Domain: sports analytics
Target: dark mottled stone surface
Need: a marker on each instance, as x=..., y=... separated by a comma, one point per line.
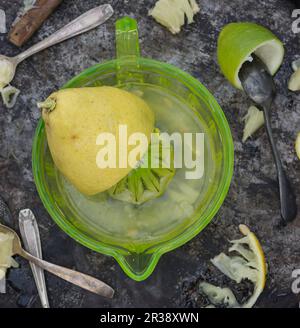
x=252, y=198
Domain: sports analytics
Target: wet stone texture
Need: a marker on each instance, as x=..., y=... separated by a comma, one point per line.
x=252, y=198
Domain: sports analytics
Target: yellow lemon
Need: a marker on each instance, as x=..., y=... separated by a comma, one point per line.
x=74, y=118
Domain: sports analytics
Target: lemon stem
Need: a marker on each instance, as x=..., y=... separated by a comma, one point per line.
x=49, y=104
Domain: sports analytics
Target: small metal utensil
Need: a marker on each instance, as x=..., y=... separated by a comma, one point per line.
x=31, y=239
x=82, y=24
x=29, y=21
x=82, y=280
x=259, y=86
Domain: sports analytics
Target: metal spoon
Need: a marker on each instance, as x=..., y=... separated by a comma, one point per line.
x=83, y=23
x=84, y=281
x=32, y=242
x=259, y=86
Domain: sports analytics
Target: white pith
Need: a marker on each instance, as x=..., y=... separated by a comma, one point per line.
x=270, y=52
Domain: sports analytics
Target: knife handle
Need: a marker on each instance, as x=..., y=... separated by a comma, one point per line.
x=31, y=21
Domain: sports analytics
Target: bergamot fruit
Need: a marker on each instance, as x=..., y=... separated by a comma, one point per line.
x=74, y=119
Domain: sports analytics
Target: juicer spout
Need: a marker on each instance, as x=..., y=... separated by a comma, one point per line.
x=138, y=266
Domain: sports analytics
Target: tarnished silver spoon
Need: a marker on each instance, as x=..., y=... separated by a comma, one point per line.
x=82, y=24
x=80, y=279
x=259, y=86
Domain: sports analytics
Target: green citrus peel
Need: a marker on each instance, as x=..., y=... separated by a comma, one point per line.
x=236, y=43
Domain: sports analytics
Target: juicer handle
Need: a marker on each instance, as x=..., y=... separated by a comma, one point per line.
x=127, y=38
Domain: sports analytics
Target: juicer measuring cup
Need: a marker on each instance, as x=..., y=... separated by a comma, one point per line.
x=138, y=253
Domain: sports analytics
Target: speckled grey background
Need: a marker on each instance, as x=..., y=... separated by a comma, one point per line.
x=252, y=198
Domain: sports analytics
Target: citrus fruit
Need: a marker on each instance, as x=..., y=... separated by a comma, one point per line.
x=74, y=120
x=248, y=264
x=236, y=43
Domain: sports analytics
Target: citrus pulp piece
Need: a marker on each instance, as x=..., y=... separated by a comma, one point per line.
x=236, y=43
x=218, y=295
x=296, y=64
x=6, y=251
x=248, y=264
x=297, y=146
x=145, y=183
x=172, y=13
x=294, y=82
x=254, y=119
x=9, y=95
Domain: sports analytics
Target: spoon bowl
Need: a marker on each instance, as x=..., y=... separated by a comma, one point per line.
x=17, y=247
x=257, y=81
x=11, y=63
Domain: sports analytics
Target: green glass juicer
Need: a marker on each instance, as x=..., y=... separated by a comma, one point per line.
x=139, y=256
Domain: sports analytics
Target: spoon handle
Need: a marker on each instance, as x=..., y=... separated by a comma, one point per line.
x=287, y=197
x=80, y=279
x=81, y=24
x=31, y=239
